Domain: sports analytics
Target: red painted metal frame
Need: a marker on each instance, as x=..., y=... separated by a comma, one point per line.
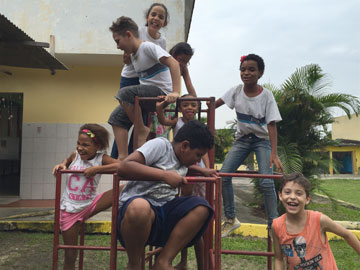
x=113, y=244
x=212, y=256
x=269, y=254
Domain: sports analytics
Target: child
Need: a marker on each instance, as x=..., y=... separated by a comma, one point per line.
x=304, y=231
x=149, y=211
x=80, y=200
x=257, y=114
x=188, y=110
x=182, y=52
x=157, y=17
x=152, y=64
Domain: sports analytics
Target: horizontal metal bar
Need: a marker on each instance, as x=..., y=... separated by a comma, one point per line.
x=88, y=247
x=251, y=175
x=250, y=253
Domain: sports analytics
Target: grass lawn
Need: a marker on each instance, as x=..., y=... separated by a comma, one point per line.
x=22, y=250
x=342, y=189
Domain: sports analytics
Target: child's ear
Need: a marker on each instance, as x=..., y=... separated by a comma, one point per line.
x=128, y=34
x=261, y=73
x=308, y=199
x=185, y=145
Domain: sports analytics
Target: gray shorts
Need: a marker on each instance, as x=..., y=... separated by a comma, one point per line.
x=127, y=94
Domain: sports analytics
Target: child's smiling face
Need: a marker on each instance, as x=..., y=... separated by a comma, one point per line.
x=86, y=147
x=156, y=18
x=189, y=109
x=293, y=197
x=249, y=72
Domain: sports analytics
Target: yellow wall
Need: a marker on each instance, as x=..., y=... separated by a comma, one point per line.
x=82, y=94
x=355, y=155
x=344, y=128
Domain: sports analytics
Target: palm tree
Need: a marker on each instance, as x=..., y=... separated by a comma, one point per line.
x=305, y=105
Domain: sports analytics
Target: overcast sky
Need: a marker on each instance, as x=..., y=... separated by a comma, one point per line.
x=287, y=34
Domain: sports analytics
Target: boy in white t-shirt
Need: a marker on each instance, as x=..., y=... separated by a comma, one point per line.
x=159, y=75
x=257, y=114
x=150, y=212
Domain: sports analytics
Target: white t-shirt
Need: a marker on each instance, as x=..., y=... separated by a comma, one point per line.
x=128, y=71
x=80, y=191
x=148, y=67
x=158, y=153
x=253, y=114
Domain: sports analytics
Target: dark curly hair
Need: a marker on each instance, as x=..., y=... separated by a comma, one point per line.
x=181, y=48
x=257, y=59
x=101, y=138
x=197, y=133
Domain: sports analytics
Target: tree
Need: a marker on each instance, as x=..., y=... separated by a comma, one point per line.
x=305, y=104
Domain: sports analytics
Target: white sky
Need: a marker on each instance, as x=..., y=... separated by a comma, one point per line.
x=286, y=34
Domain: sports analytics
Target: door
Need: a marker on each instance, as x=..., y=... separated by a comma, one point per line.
x=11, y=112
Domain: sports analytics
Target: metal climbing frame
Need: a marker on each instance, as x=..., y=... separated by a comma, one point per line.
x=269, y=254
x=213, y=249
x=212, y=256
x=113, y=242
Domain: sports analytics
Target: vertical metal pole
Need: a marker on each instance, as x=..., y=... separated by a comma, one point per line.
x=210, y=187
x=57, y=221
x=218, y=188
x=269, y=249
x=136, y=116
x=114, y=210
x=82, y=239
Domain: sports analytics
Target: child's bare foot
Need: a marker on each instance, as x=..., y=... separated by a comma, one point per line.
x=142, y=136
x=181, y=266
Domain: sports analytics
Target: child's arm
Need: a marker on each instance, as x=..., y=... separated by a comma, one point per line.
x=328, y=225
x=160, y=110
x=187, y=80
x=207, y=172
x=279, y=261
x=64, y=164
x=133, y=167
x=175, y=77
x=206, y=160
x=219, y=102
x=274, y=158
x=109, y=165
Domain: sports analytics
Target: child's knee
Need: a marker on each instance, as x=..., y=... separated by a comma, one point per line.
x=202, y=212
x=138, y=210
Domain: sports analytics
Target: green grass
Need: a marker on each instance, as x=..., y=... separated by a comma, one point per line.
x=336, y=212
x=342, y=189
x=23, y=250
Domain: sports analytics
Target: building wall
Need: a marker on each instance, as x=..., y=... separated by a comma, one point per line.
x=344, y=128
x=81, y=26
x=355, y=150
x=82, y=94
x=56, y=105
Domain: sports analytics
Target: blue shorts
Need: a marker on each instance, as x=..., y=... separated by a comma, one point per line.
x=127, y=94
x=166, y=218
